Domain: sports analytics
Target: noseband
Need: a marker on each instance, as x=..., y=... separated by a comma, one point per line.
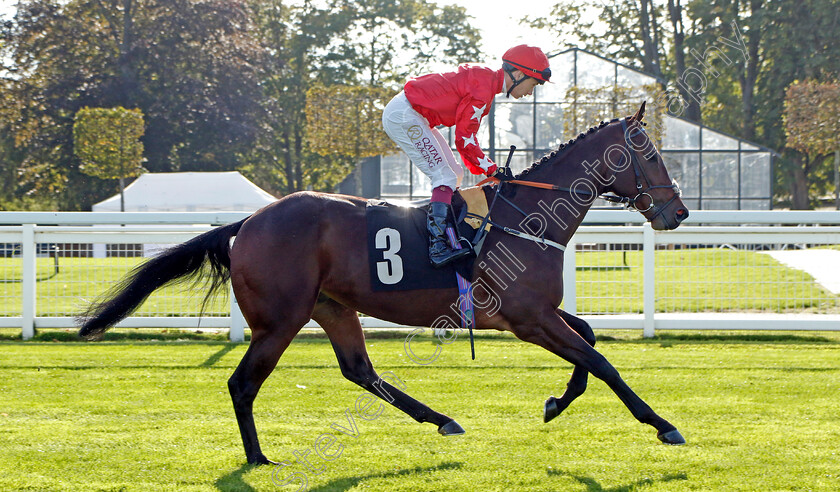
x=640, y=175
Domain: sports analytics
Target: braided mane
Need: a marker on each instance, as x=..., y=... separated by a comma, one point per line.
x=555, y=154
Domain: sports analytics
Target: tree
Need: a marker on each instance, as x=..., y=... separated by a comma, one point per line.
x=192, y=68
x=743, y=54
x=377, y=32
x=341, y=43
x=812, y=125
x=676, y=18
x=294, y=35
x=347, y=120
x=107, y=142
x=592, y=105
x=736, y=26
x=793, y=53
x=633, y=32
x=629, y=31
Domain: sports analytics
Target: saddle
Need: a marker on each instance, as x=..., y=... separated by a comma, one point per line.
x=398, y=245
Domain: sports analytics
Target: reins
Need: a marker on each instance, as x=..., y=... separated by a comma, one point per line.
x=533, y=184
x=479, y=237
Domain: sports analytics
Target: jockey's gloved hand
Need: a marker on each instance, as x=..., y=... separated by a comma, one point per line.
x=503, y=174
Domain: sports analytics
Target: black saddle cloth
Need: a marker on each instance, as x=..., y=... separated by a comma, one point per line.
x=398, y=248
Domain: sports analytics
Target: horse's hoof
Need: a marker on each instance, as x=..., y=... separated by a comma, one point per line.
x=451, y=428
x=672, y=437
x=551, y=409
x=261, y=460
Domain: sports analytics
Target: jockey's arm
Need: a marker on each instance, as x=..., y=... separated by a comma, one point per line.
x=468, y=118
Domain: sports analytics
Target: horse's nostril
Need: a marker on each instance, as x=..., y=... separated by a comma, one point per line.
x=682, y=214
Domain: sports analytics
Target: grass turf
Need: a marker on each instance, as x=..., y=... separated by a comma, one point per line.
x=759, y=413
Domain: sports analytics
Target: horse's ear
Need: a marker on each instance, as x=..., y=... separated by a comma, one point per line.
x=640, y=113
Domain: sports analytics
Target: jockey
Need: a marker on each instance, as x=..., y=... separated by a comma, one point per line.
x=460, y=99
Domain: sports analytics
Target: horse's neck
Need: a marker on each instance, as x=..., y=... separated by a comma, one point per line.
x=558, y=211
x=562, y=211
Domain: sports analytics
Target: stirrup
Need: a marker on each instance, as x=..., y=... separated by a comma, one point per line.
x=447, y=256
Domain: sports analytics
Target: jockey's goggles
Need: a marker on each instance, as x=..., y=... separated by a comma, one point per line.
x=543, y=75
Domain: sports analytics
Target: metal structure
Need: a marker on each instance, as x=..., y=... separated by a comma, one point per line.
x=715, y=170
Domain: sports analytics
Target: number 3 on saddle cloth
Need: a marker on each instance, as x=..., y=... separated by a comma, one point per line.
x=398, y=249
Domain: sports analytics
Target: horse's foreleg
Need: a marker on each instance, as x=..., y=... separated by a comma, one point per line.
x=577, y=383
x=348, y=340
x=553, y=333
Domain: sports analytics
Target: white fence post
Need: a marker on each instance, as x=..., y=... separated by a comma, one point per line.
x=569, y=286
x=649, y=281
x=29, y=293
x=237, y=321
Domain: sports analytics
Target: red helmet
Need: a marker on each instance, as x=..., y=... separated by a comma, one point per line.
x=530, y=60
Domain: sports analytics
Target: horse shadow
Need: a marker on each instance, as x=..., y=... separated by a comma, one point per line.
x=347, y=483
x=233, y=481
x=592, y=485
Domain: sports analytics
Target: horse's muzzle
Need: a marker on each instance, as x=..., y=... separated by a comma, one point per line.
x=681, y=215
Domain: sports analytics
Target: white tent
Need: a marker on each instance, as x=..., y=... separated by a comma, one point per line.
x=189, y=192
x=185, y=192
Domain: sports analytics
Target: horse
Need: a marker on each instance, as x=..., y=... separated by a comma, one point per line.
x=305, y=257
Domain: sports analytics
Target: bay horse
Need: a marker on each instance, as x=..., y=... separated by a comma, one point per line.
x=306, y=256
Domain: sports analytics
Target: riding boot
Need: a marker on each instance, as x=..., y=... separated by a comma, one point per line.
x=440, y=253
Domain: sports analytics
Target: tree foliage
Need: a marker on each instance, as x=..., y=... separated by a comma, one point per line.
x=385, y=41
x=812, y=127
x=590, y=105
x=190, y=66
x=347, y=121
x=812, y=117
x=221, y=83
x=107, y=142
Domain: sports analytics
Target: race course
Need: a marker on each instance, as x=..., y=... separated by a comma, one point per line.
x=759, y=413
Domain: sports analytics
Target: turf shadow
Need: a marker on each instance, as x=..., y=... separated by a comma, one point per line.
x=347, y=483
x=218, y=355
x=735, y=337
x=233, y=482
x=592, y=485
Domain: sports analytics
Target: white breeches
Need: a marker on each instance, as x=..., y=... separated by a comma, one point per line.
x=425, y=146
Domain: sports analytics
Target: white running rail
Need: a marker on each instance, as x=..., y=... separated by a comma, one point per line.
x=641, y=294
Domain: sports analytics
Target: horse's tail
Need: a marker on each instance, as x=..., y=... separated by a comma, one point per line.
x=205, y=258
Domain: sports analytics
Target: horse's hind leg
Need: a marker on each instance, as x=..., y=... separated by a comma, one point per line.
x=348, y=340
x=274, y=321
x=577, y=383
x=260, y=359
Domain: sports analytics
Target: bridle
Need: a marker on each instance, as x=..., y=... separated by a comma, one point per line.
x=640, y=175
x=638, y=170
x=641, y=191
